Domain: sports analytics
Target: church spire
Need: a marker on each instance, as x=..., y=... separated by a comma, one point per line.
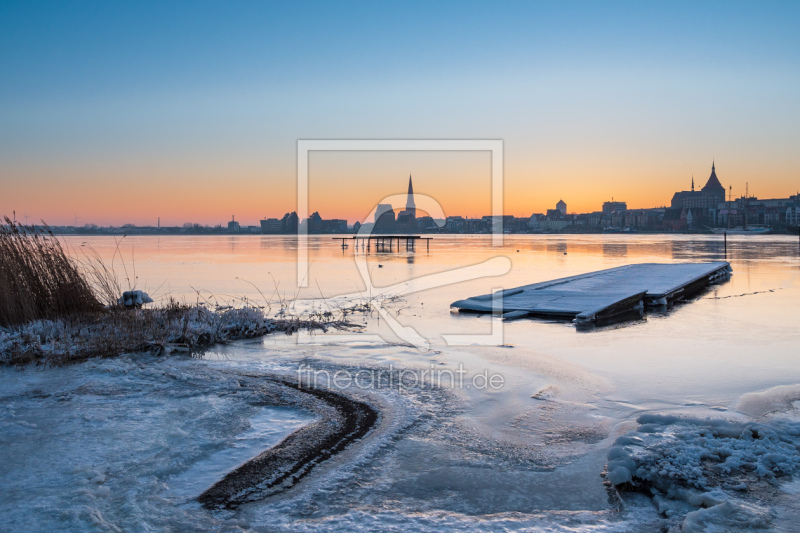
x=713, y=186
x=410, y=205
x=692, y=182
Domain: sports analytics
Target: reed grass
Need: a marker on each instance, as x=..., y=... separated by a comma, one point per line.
x=38, y=280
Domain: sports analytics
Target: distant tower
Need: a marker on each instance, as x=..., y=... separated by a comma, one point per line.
x=411, y=207
x=713, y=187
x=562, y=206
x=692, y=182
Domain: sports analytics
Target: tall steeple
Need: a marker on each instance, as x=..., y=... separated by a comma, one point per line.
x=410, y=205
x=713, y=186
x=692, y=182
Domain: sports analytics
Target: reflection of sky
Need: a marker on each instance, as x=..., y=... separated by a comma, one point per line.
x=740, y=336
x=177, y=103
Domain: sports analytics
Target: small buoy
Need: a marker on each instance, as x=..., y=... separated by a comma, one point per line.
x=380, y=266
x=517, y=251
x=565, y=253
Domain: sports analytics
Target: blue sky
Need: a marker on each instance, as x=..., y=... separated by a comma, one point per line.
x=99, y=96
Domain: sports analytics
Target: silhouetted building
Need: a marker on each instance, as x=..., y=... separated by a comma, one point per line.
x=610, y=207
x=749, y=210
x=289, y=223
x=454, y=224
x=315, y=223
x=334, y=225
x=411, y=206
x=709, y=197
x=702, y=205
x=381, y=209
x=270, y=225
x=426, y=224
x=407, y=218
x=680, y=219
x=793, y=216
x=233, y=226
x=384, y=219
x=562, y=206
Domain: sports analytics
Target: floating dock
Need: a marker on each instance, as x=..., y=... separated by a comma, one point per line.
x=603, y=294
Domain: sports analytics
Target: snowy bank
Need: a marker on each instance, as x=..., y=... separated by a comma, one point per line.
x=161, y=330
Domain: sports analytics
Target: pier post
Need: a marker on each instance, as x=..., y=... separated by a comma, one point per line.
x=384, y=243
x=726, y=243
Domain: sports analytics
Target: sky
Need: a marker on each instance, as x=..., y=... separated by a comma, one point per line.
x=123, y=112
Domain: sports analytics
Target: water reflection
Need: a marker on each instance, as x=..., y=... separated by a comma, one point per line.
x=215, y=262
x=559, y=247
x=615, y=249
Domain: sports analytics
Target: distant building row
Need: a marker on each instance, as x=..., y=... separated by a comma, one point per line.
x=690, y=210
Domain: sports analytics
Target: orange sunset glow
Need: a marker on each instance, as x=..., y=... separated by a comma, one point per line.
x=349, y=185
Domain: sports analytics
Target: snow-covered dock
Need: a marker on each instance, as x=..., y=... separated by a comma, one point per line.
x=602, y=294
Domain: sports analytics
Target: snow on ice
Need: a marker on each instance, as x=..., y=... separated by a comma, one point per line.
x=705, y=473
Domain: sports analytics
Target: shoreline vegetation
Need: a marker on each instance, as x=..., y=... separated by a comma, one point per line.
x=56, y=309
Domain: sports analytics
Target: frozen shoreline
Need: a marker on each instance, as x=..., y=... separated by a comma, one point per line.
x=99, y=443
x=102, y=443
x=342, y=422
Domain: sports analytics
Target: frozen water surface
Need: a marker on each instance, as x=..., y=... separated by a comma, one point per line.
x=126, y=444
x=267, y=428
x=123, y=443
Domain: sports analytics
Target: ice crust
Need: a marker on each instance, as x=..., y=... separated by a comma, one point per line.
x=124, y=444
x=758, y=404
x=706, y=474
x=102, y=445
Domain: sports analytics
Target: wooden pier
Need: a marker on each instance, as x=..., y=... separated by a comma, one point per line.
x=603, y=294
x=386, y=243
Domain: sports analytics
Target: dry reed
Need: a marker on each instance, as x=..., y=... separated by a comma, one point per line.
x=37, y=279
